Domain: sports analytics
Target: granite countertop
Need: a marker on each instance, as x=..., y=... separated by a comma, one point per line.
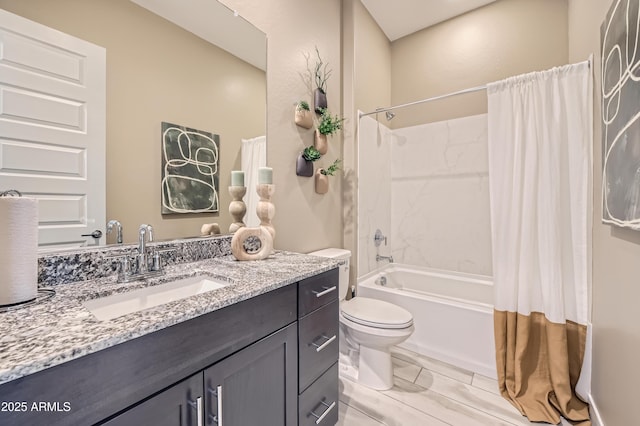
x=61, y=328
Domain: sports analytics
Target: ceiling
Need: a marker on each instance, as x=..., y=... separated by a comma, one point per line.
x=215, y=23
x=399, y=18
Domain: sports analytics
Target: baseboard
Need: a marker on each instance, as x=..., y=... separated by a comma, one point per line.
x=583, y=387
x=596, y=420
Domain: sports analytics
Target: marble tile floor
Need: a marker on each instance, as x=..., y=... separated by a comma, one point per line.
x=427, y=392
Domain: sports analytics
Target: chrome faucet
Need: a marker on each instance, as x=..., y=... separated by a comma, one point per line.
x=144, y=230
x=114, y=223
x=379, y=258
x=147, y=262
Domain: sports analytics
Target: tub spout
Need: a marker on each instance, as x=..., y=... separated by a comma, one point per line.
x=379, y=258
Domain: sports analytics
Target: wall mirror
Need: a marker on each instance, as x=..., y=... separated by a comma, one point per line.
x=194, y=63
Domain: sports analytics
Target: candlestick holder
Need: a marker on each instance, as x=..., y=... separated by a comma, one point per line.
x=237, y=208
x=265, y=208
x=265, y=233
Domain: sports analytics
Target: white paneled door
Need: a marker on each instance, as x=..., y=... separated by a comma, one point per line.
x=52, y=128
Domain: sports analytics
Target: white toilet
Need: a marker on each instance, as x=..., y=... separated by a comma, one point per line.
x=370, y=327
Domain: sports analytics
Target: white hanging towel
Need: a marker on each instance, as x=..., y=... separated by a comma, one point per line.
x=254, y=156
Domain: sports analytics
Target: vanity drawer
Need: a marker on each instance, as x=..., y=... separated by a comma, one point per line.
x=317, y=291
x=317, y=343
x=318, y=405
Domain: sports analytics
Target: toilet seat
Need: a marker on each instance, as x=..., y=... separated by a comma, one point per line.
x=376, y=313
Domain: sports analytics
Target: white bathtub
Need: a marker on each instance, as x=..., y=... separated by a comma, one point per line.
x=452, y=312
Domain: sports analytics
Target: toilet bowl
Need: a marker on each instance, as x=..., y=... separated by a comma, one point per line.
x=375, y=326
x=370, y=327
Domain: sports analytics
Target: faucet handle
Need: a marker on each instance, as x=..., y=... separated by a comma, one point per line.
x=146, y=229
x=378, y=238
x=156, y=261
x=124, y=266
x=156, y=265
x=150, y=233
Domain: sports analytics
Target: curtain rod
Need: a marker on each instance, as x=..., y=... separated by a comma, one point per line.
x=435, y=98
x=589, y=62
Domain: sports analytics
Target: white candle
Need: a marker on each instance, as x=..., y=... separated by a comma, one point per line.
x=265, y=175
x=237, y=178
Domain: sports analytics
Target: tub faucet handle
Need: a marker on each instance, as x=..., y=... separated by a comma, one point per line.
x=378, y=238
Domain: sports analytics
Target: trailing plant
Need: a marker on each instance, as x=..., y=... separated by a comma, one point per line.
x=334, y=167
x=303, y=106
x=310, y=153
x=322, y=73
x=329, y=124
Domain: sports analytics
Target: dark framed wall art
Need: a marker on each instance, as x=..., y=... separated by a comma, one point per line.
x=621, y=115
x=190, y=170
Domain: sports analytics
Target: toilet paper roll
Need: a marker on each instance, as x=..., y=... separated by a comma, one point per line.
x=18, y=249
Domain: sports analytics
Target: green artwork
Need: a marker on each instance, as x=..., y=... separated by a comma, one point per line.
x=189, y=170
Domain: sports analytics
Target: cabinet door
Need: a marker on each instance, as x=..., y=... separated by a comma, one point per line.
x=257, y=385
x=180, y=405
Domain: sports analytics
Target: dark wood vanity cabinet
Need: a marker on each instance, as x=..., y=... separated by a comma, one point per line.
x=269, y=360
x=318, y=339
x=255, y=386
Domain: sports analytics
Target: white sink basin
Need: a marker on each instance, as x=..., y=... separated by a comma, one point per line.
x=109, y=307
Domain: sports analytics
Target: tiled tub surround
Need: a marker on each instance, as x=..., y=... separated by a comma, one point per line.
x=440, y=196
x=374, y=191
x=426, y=188
x=61, y=329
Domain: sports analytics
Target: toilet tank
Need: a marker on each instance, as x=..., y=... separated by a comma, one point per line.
x=343, y=256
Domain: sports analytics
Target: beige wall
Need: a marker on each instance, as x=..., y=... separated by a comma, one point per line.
x=502, y=39
x=158, y=72
x=366, y=86
x=372, y=73
x=304, y=220
x=616, y=286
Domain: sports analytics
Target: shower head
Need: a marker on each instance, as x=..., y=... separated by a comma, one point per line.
x=389, y=115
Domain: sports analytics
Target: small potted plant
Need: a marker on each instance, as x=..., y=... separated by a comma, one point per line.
x=322, y=74
x=322, y=177
x=304, y=165
x=303, y=116
x=327, y=126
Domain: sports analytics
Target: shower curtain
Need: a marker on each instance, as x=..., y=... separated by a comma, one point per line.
x=254, y=155
x=540, y=138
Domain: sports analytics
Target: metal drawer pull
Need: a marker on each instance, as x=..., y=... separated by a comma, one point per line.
x=219, y=405
x=198, y=407
x=323, y=415
x=326, y=291
x=325, y=344
x=218, y=394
